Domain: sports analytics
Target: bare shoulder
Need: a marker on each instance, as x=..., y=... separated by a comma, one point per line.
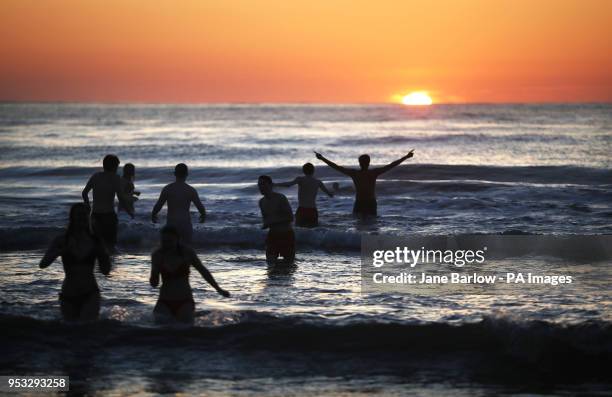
x=190, y=252
x=280, y=196
x=96, y=177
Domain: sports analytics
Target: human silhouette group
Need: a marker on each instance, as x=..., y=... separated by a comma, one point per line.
x=91, y=234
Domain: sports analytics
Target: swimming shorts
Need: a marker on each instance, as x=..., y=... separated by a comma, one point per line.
x=306, y=217
x=105, y=227
x=280, y=244
x=365, y=208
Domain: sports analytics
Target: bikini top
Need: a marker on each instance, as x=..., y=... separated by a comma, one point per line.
x=181, y=271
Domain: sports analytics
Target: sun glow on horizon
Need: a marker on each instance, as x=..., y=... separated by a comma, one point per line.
x=417, y=98
x=368, y=52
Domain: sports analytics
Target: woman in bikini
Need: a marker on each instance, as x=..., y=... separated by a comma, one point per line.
x=79, y=249
x=173, y=260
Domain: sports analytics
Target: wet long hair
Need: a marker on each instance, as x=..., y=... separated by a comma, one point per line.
x=72, y=220
x=168, y=229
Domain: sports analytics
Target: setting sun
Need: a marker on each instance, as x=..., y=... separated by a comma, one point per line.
x=417, y=98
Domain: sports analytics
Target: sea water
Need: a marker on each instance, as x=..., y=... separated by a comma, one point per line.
x=490, y=169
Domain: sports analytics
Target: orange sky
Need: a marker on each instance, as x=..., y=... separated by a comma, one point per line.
x=344, y=51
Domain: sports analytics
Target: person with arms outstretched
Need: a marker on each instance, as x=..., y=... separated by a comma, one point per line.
x=364, y=180
x=277, y=218
x=79, y=249
x=308, y=187
x=173, y=261
x=179, y=196
x=106, y=185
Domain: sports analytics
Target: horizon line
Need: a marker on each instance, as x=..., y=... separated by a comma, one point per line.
x=296, y=103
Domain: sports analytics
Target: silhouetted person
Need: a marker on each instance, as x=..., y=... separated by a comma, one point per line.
x=127, y=187
x=308, y=187
x=79, y=249
x=173, y=260
x=277, y=218
x=364, y=180
x=105, y=186
x=179, y=196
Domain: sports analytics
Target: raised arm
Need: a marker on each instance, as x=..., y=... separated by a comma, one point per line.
x=198, y=203
x=287, y=184
x=322, y=187
x=197, y=264
x=155, y=262
x=54, y=250
x=394, y=164
x=163, y=197
x=345, y=171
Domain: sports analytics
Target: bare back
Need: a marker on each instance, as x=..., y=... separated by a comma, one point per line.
x=179, y=197
x=174, y=269
x=308, y=187
x=105, y=185
x=365, y=183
